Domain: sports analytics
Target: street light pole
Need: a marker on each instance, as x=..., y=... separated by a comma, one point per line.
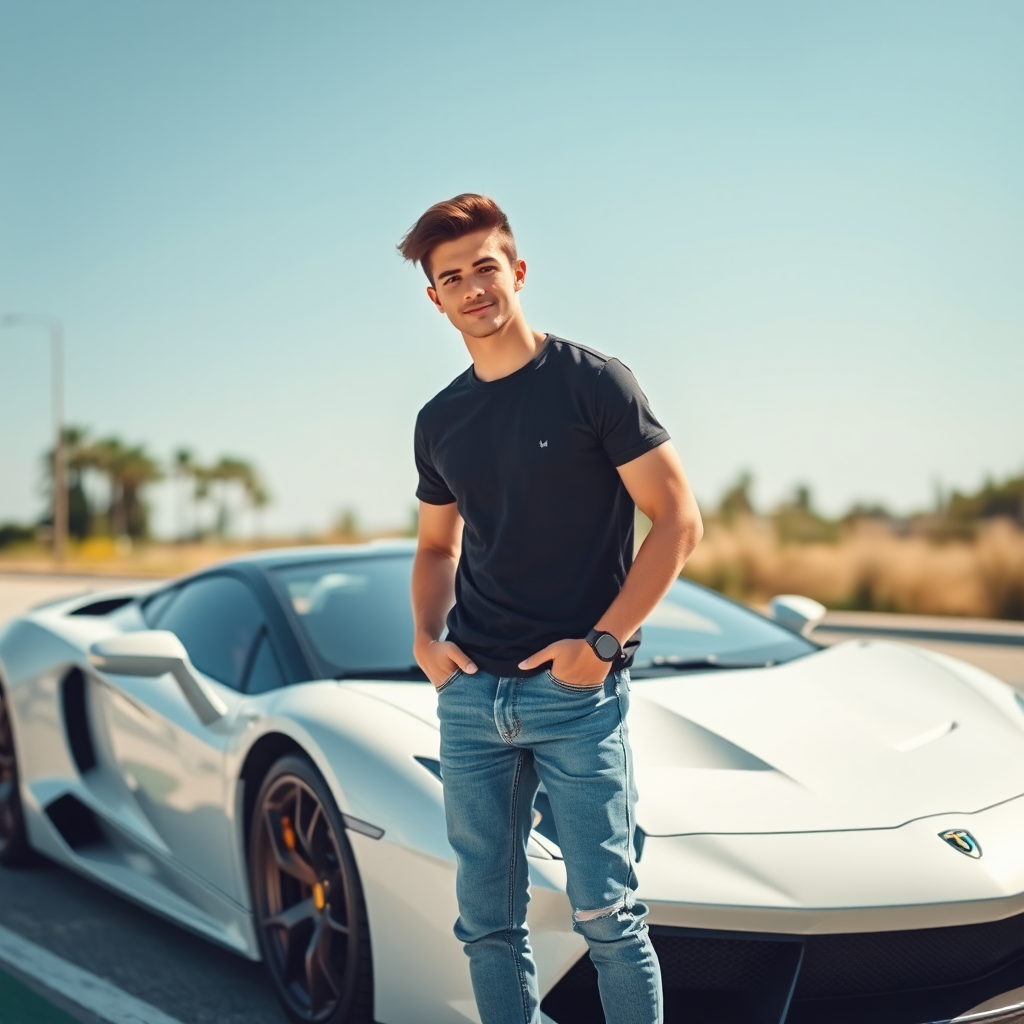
x=60, y=492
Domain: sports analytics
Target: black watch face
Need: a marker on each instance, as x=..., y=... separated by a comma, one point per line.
x=606, y=647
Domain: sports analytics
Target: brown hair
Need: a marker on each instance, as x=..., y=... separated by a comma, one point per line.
x=451, y=219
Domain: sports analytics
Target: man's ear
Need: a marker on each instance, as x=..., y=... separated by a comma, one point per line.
x=519, y=273
x=432, y=295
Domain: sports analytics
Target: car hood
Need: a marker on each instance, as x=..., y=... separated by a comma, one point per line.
x=861, y=735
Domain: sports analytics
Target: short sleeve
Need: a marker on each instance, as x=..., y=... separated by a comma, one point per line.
x=623, y=418
x=432, y=489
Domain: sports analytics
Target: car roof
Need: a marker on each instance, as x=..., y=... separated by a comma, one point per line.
x=277, y=557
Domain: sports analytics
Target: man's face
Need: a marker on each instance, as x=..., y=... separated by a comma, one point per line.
x=474, y=285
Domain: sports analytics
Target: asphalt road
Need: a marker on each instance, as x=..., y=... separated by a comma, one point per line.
x=183, y=975
x=198, y=983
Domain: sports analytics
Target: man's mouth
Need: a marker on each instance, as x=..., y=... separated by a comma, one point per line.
x=478, y=309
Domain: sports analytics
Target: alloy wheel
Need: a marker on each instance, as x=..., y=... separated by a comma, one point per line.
x=307, y=901
x=13, y=842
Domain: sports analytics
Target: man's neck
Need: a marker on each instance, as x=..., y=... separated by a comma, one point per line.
x=505, y=351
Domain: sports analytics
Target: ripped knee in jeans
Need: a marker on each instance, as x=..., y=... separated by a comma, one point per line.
x=582, y=916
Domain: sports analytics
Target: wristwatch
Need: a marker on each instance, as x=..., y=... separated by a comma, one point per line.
x=604, y=645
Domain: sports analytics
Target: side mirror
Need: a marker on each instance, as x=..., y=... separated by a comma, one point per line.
x=800, y=614
x=154, y=653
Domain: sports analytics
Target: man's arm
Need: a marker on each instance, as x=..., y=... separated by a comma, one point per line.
x=433, y=591
x=658, y=485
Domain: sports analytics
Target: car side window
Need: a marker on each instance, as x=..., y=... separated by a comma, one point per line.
x=265, y=673
x=153, y=607
x=218, y=620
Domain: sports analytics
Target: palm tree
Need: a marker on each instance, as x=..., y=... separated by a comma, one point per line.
x=184, y=470
x=202, y=479
x=136, y=470
x=128, y=471
x=234, y=475
x=105, y=457
x=259, y=499
x=254, y=490
x=77, y=463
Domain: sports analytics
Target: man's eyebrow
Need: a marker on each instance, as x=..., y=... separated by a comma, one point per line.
x=476, y=263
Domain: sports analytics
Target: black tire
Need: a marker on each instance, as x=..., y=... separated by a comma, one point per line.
x=307, y=901
x=14, y=848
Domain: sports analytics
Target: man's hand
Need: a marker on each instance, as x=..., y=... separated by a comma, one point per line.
x=440, y=658
x=572, y=661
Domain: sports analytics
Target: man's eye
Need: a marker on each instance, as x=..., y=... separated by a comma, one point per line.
x=451, y=280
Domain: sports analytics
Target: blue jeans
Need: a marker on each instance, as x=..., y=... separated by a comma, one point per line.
x=501, y=737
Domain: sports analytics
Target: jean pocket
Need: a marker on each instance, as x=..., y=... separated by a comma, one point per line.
x=448, y=682
x=574, y=687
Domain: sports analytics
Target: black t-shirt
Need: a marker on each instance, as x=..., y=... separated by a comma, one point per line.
x=530, y=459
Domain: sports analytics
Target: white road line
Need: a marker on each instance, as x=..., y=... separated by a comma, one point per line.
x=86, y=990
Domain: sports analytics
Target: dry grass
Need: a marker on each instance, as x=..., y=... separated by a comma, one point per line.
x=869, y=569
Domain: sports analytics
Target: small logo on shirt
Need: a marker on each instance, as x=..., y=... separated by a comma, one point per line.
x=543, y=444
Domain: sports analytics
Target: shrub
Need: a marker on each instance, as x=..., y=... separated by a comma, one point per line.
x=13, y=534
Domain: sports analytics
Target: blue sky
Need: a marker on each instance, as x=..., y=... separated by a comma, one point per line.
x=801, y=224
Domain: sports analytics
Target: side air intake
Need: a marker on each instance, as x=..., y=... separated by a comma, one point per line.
x=75, y=822
x=104, y=607
x=74, y=697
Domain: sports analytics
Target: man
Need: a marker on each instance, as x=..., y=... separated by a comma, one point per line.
x=529, y=465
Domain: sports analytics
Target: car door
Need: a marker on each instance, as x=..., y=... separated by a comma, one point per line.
x=172, y=764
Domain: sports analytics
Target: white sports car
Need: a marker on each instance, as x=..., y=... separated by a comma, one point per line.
x=825, y=835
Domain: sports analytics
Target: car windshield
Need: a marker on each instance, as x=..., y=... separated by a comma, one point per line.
x=693, y=627
x=355, y=613
x=356, y=617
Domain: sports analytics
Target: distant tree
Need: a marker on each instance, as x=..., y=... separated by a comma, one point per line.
x=737, y=502
x=867, y=510
x=992, y=501
x=106, y=456
x=232, y=484
x=76, y=454
x=184, y=467
x=136, y=471
x=232, y=481
x=77, y=463
x=202, y=479
x=802, y=499
x=347, y=524
x=14, y=534
x=129, y=470
x=259, y=498
x=797, y=522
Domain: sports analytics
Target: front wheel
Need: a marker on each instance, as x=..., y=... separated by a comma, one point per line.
x=14, y=848
x=308, y=903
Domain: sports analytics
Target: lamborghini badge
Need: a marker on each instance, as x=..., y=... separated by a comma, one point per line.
x=962, y=841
